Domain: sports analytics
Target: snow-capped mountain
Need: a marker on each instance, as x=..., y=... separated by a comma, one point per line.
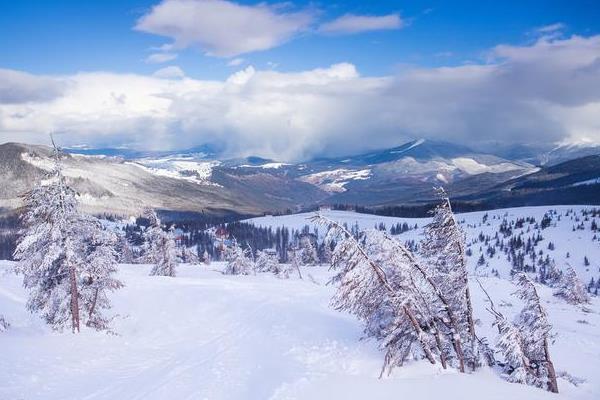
x=199, y=180
x=115, y=185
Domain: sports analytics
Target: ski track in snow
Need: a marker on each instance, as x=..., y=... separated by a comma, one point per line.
x=204, y=335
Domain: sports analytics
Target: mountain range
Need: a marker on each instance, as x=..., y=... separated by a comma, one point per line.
x=201, y=180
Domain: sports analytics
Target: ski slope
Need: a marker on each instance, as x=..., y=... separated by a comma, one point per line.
x=204, y=335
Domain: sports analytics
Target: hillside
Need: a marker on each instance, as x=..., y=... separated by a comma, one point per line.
x=115, y=185
x=207, y=335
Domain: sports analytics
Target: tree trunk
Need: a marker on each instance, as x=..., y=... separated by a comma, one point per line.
x=93, y=307
x=419, y=331
x=438, y=341
x=74, y=300
x=455, y=335
x=552, y=383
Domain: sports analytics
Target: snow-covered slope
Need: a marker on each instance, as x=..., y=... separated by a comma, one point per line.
x=570, y=246
x=203, y=335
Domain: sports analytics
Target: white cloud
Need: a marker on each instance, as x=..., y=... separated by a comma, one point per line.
x=549, y=91
x=235, y=62
x=158, y=58
x=21, y=87
x=170, y=72
x=223, y=28
x=349, y=24
x=559, y=26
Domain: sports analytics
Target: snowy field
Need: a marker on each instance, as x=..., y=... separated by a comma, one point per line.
x=205, y=335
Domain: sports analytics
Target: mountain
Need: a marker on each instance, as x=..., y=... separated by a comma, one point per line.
x=572, y=182
x=115, y=185
x=407, y=173
x=198, y=181
x=542, y=154
x=568, y=152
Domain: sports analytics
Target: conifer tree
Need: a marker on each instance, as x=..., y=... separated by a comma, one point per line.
x=535, y=328
x=67, y=259
x=97, y=274
x=510, y=344
x=571, y=289
x=267, y=262
x=383, y=284
x=444, y=249
x=159, y=247
x=239, y=261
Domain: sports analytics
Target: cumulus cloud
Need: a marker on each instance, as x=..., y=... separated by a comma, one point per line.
x=21, y=87
x=223, y=28
x=349, y=24
x=548, y=91
x=158, y=58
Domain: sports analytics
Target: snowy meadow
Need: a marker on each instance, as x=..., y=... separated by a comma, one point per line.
x=204, y=334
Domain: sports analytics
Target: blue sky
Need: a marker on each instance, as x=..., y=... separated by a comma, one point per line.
x=66, y=36
x=294, y=80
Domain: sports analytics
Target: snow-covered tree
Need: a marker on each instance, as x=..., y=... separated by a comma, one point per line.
x=510, y=344
x=189, y=255
x=267, y=261
x=59, y=252
x=159, y=247
x=571, y=289
x=125, y=252
x=308, y=250
x=97, y=274
x=48, y=250
x=4, y=325
x=295, y=262
x=239, y=261
x=381, y=282
x=535, y=329
x=444, y=249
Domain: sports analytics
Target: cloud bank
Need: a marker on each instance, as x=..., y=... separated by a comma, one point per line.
x=548, y=91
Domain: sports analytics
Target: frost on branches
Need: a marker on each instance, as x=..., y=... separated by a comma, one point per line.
x=443, y=247
x=66, y=258
x=268, y=261
x=381, y=282
x=308, y=250
x=159, y=247
x=295, y=261
x=97, y=275
x=510, y=345
x=535, y=329
x=239, y=261
x=571, y=289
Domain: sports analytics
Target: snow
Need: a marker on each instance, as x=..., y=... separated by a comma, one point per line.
x=185, y=168
x=271, y=165
x=473, y=167
x=335, y=180
x=577, y=244
x=44, y=164
x=204, y=335
x=594, y=181
x=412, y=146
